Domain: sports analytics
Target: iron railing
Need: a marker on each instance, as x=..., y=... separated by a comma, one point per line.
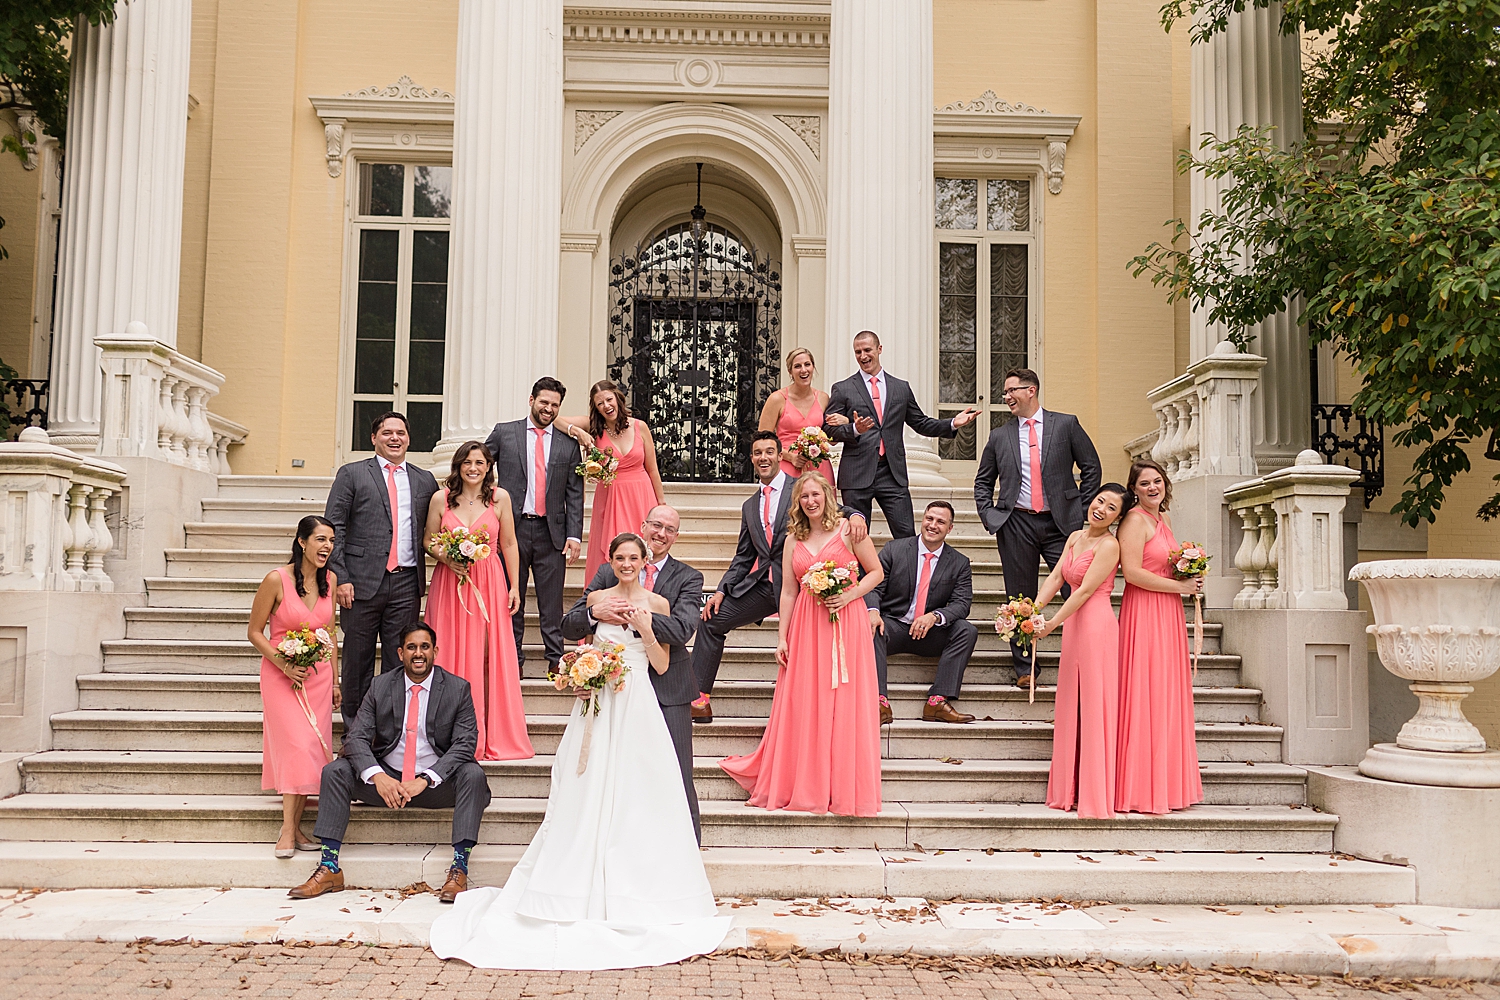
x=1352, y=440
x=23, y=403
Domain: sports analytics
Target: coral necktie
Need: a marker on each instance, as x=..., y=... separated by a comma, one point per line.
x=923, y=580
x=765, y=506
x=1038, y=500
x=413, y=717
x=879, y=409
x=539, y=469
x=393, y=560
x=650, y=581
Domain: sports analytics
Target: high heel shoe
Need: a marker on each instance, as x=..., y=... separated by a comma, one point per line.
x=285, y=852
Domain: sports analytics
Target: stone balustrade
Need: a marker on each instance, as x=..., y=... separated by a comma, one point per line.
x=1291, y=552
x=156, y=404
x=54, y=535
x=1205, y=420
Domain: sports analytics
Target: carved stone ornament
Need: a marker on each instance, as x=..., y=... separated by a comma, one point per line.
x=988, y=103
x=809, y=129
x=586, y=123
x=333, y=135
x=403, y=89
x=29, y=124
x=1057, y=152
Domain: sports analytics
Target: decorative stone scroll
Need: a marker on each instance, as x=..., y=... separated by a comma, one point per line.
x=586, y=123
x=809, y=128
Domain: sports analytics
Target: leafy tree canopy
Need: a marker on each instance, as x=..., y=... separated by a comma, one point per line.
x=1387, y=240
x=34, y=57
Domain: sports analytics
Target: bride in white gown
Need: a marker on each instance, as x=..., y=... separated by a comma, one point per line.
x=613, y=878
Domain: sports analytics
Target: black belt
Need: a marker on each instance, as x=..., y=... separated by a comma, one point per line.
x=401, y=569
x=533, y=517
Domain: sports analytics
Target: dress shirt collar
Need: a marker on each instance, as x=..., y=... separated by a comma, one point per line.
x=1037, y=416
x=532, y=425
x=922, y=550
x=661, y=563
x=400, y=466
x=426, y=684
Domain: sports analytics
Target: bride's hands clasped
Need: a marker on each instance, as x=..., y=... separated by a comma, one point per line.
x=639, y=618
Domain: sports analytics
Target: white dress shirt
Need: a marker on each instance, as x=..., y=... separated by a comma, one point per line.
x=426, y=755
x=1023, y=499
x=406, y=545
x=913, y=611
x=767, y=506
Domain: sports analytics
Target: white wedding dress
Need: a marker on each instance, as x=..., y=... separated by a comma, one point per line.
x=613, y=878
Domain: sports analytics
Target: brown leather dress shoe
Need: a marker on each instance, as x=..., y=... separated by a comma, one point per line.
x=1023, y=681
x=944, y=712
x=703, y=712
x=324, y=879
x=458, y=881
x=886, y=715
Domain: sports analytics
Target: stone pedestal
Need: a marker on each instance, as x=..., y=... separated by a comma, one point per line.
x=1446, y=834
x=880, y=198
x=507, y=215
x=121, y=244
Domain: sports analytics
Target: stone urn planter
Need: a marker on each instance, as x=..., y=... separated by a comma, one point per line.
x=1437, y=625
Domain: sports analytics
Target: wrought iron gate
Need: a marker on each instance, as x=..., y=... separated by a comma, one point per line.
x=695, y=341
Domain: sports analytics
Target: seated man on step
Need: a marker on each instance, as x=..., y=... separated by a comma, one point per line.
x=428, y=762
x=922, y=607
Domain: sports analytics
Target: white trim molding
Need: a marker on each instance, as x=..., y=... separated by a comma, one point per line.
x=402, y=117
x=989, y=132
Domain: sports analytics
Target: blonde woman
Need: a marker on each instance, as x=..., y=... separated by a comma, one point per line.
x=796, y=406
x=821, y=749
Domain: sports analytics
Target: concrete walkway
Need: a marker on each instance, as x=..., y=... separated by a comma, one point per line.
x=1391, y=940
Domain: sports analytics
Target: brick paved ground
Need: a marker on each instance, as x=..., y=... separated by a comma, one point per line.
x=78, y=969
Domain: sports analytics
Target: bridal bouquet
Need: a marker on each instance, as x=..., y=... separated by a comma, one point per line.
x=828, y=579
x=1188, y=561
x=1017, y=621
x=463, y=547
x=812, y=446
x=307, y=647
x=598, y=466
x=590, y=668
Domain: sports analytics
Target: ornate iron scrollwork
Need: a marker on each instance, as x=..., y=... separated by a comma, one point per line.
x=695, y=341
x=1341, y=436
x=23, y=403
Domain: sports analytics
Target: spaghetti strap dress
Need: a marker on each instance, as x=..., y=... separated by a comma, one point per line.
x=1088, y=701
x=294, y=748
x=623, y=504
x=790, y=424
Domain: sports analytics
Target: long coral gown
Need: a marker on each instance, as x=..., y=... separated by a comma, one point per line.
x=482, y=652
x=292, y=756
x=790, y=424
x=821, y=749
x=622, y=505
x=1088, y=701
x=1157, y=768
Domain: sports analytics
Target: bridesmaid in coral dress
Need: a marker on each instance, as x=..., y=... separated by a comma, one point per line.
x=1088, y=696
x=294, y=748
x=474, y=615
x=622, y=505
x=1158, y=751
x=821, y=748
x=797, y=406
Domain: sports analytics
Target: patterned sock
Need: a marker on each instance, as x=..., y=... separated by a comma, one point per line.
x=885, y=701
x=461, y=855
x=701, y=700
x=330, y=859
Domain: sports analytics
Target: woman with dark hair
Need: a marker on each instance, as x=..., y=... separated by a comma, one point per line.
x=821, y=748
x=1157, y=769
x=622, y=505
x=298, y=702
x=1086, y=713
x=471, y=603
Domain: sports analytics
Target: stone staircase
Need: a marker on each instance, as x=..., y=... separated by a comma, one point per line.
x=155, y=778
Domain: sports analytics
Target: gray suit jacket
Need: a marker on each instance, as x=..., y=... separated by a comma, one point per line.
x=862, y=451
x=359, y=505
x=1064, y=445
x=682, y=586
x=512, y=452
x=950, y=591
x=753, y=558
x=451, y=728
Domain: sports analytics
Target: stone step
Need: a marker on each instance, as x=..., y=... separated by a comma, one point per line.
x=182, y=772
x=739, y=699
x=1185, y=878
x=934, y=825
x=906, y=738
x=275, y=487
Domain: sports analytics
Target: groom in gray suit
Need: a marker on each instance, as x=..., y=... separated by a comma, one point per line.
x=1032, y=520
x=682, y=586
x=877, y=406
x=378, y=508
x=537, y=465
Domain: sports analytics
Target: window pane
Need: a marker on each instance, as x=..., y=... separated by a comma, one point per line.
x=426, y=424
x=957, y=204
x=380, y=188
x=365, y=412
x=375, y=318
x=958, y=267
x=1008, y=205
x=374, y=365
x=961, y=448
x=431, y=189
x=379, y=254
x=424, y=373
x=429, y=256
x=1008, y=314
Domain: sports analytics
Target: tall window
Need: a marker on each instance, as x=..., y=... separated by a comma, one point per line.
x=986, y=247
x=401, y=300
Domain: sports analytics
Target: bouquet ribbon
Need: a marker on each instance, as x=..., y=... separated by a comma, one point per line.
x=477, y=596
x=1197, y=633
x=312, y=720
x=589, y=711
x=840, y=655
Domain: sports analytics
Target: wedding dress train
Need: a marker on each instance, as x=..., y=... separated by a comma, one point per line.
x=613, y=878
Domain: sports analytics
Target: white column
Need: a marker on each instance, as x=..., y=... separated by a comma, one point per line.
x=507, y=214
x=122, y=199
x=880, y=194
x=1251, y=74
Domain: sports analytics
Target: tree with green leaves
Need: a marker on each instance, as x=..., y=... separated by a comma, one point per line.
x=1387, y=239
x=34, y=58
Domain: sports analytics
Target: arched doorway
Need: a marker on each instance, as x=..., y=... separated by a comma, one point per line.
x=695, y=340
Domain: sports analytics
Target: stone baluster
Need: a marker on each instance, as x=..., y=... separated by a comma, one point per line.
x=1267, y=556
x=80, y=535
x=182, y=427
x=1309, y=498
x=201, y=438
x=101, y=543
x=1244, y=557
x=1188, y=411
x=164, y=416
